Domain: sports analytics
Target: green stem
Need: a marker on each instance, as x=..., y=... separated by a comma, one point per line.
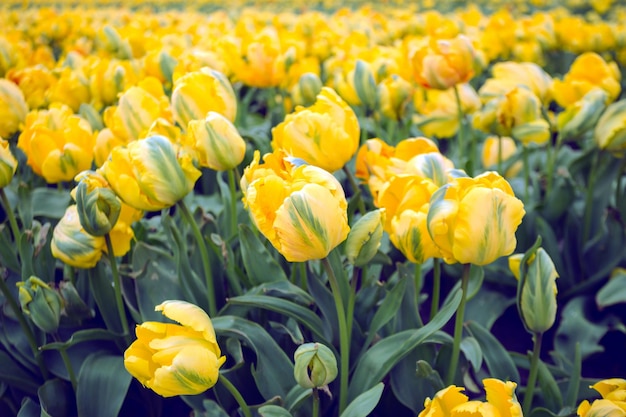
x=69, y=367
x=526, y=173
x=233, y=202
x=316, y=402
x=204, y=255
x=532, y=375
x=117, y=284
x=589, y=197
x=10, y=215
x=28, y=332
x=417, y=278
x=344, y=342
x=434, y=307
x=355, y=188
x=458, y=326
x=236, y=394
x=551, y=164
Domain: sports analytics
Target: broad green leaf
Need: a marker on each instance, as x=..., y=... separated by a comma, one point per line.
x=15, y=376
x=472, y=351
x=258, y=261
x=8, y=254
x=498, y=360
x=549, y=389
x=49, y=202
x=384, y=355
x=613, y=292
x=571, y=398
x=102, y=385
x=55, y=398
x=273, y=372
x=26, y=256
x=101, y=284
x=82, y=336
x=408, y=386
x=387, y=310
x=487, y=306
x=29, y=408
x=302, y=314
x=211, y=409
x=273, y=411
x=365, y=403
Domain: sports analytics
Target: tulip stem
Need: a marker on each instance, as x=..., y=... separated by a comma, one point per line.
x=434, y=306
x=458, y=326
x=236, y=394
x=316, y=402
x=355, y=188
x=11, y=216
x=344, y=343
x=26, y=329
x=204, y=254
x=233, y=202
x=117, y=285
x=69, y=367
x=591, y=184
x=532, y=375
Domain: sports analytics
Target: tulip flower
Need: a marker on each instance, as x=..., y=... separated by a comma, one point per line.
x=176, y=359
x=613, y=402
x=8, y=164
x=97, y=205
x=610, y=131
x=73, y=245
x=57, y=143
x=497, y=150
x=71, y=89
x=197, y=93
x=444, y=63
x=41, y=303
x=364, y=238
x=150, y=174
x=34, y=82
x=325, y=135
x=315, y=365
x=300, y=208
x=305, y=91
x=394, y=94
x=13, y=108
x=508, y=75
x=218, y=144
x=473, y=220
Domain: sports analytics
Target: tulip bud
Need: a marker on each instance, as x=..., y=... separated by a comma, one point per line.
x=315, y=365
x=72, y=245
x=365, y=84
x=218, y=144
x=89, y=113
x=8, y=164
x=41, y=303
x=583, y=115
x=98, y=206
x=393, y=96
x=364, y=237
x=73, y=305
x=538, y=297
x=610, y=132
x=307, y=88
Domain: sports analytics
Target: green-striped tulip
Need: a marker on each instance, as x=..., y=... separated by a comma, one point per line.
x=610, y=131
x=218, y=144
x=13, y=108
x=98, y=206
x=73, y=245
x=8, y=164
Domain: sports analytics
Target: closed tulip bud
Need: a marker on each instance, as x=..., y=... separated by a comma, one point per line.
x=41, y=303
x=73, y=305
x=89, y=113
x=325, y=135
x=73, y=245
x=473, y=220
x=13, y=108
x=393, y=96
x=364, y=238
x=306, y=89
x=538, y=298
x=150, y=174
x=8, y=164
x=176, y=359
x=315, y=365
x=583, y=115
x=197, y=93
x=365, y=84
x=218, y=144
x=610, y=131
x=301, y=209
x=97, y=205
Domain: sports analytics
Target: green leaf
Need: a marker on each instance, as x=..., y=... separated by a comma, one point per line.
x=49, y=202
x=613, y=292
x=498, y=360
x=261, y=267
x=387, y=310
x=15, y=376
x=211, y=409
x=487, y=306
x=384, y=355
x=549, y=389
x=409, y=386
x=273, y=411
x=55, y=398
x=82, y=336
x=472, y=351
x=29, y=408
x=102, y=290
x=273, y=373
x=102, y=385
x=571, y=397
x=365, y=403
x=8, y=254
x=303, y=315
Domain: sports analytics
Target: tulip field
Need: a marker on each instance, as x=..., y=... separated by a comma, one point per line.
x=310, y=209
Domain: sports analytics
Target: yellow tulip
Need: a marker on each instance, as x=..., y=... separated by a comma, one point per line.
x=197, y=93
x=105, y=142
x=473, y=220
x=8, y=164
x=508, y=75
x=394, y=95
x=502, y=147
x=176, y=359
x=300, y=208
x=613, y=402
x=610, y=131
x=150, y=174
x=588, y=70
x=218, y=144
x=71, y=89
x=583, y=115
x=34, y=83
x=122, y=233
x=73, y=245
x=97, y=205
x=444, y=63
x=109, y=77
x=57, y=143
x=13, y=108
x=325, y=135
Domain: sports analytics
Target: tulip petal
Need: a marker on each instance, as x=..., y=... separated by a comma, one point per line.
x=189, y=315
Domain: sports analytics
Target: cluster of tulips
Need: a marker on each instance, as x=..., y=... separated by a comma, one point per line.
x=350, y=138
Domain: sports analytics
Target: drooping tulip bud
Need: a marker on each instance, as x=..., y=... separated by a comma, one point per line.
x=364, y=238
x=306, y=89
x=98, y=206
x=315, y=365
x=42, y=303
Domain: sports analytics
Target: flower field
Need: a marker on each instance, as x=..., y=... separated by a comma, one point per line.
x=307, y=209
